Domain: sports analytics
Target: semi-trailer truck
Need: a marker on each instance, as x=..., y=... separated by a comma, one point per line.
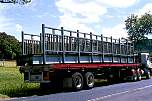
x=75, y=59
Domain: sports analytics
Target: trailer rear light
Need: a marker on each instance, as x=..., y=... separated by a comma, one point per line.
x=132, y=72
x=46, y=75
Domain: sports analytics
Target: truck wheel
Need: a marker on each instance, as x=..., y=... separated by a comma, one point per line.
x=139, y=73
x=139, y=77
x=89, y=80
x=77, y=81
x=134, y=78
x=148, y=75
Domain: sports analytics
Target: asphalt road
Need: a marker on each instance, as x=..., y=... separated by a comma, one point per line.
x=129, y=91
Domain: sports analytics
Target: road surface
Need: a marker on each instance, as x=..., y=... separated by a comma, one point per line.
x=129, y=91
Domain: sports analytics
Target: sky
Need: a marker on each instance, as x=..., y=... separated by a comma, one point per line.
x=97, y=16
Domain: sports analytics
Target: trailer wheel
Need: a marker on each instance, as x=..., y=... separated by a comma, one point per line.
x=134, y=77
x=89, y=80
x=77, y=81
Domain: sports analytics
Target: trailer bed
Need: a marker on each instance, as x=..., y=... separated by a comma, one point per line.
x=65, y=46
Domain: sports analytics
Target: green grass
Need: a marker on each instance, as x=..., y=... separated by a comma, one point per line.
x=11, y=63
x=12, y=83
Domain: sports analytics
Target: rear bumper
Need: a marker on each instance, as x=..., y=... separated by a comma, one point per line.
x=29, y=81
x=40, y=77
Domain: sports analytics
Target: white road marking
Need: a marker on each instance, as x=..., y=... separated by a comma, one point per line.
x=108, y=96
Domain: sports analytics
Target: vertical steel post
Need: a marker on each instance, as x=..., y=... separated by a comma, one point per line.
x=107, y=45
x=120, y=49
x=133, y=53
x=97, y=43
x=127, y=50
x=57, y=43
x=70, y=41
x=102, y=46
x=23, y=52
x=43, y=38
x=78, y=43
x=63, y=50
x=32, y=42
x=85, y=44
x=41, y=44
x=130, y=49
x=53, y=32
x=112, y=52
x=91, y=47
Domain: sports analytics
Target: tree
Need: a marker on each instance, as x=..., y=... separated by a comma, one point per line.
x=15, y=1
x=138, y=27
x=9, y=46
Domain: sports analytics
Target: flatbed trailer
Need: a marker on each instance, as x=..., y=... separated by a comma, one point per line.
x=74, y=59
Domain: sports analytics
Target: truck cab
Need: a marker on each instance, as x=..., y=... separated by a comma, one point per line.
x=146, y=64
x=145, y=60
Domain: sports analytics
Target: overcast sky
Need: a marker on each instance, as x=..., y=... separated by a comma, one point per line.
x=98, y=16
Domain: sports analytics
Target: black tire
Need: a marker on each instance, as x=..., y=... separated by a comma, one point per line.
x=139, y=73
x=148, y=75
x=89, y=80
x=77, y=81
x=139, y=77
x=134, y=78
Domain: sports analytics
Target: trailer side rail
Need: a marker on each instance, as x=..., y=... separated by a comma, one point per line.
x=64, y=45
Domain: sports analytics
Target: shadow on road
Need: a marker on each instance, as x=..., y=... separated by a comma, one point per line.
x=51, y=90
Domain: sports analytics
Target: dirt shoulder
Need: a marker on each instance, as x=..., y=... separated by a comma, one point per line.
x=4, y=97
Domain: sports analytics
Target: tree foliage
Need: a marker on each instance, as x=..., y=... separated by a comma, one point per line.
x=138, y=27
x=9, y=46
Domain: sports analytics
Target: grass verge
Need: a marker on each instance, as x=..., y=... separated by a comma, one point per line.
x=12, y=85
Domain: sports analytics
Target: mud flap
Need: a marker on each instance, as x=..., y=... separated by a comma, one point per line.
x=67, y=83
